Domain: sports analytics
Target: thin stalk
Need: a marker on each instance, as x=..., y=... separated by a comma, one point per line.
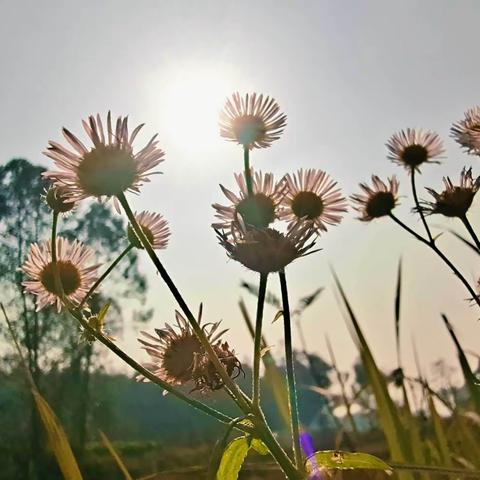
x=258, y=340
x=417, y=204
x=432, y=245
x=240, y=399
x=248, y=173
x=292, y=392
x=471, y=231
x=105, y=275
x=275, y=448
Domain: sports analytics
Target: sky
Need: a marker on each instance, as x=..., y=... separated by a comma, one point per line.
x=348, y=75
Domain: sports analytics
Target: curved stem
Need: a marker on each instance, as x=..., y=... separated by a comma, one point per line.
x=248, y=173
x=432, y=245
x=258, y=339
x=105, y=275
x=419, y=208
x=239, y=397
x=292, y=392
x=471, y=231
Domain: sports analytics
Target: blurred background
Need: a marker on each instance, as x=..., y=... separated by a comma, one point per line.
x=348, y=75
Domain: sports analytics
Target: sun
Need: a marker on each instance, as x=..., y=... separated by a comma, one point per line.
x=190, y=101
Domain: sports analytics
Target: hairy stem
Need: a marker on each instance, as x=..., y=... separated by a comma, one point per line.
x=292, y=392
x=471, y=231
x=248, y=173
x=419, y=208
x=258, y=340
x=104, y=275
x=431, y=244
x=199, y=332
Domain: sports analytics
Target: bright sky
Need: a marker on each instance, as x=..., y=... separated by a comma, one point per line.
x=348, y=74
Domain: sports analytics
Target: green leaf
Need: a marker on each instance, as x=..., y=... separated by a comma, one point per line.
x=259, y=446
x=439, y=432
x=338, y=460
x=118, y=459
x=233, y=458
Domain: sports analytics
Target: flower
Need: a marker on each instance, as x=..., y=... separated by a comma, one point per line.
x=75, y=276
x=266, y=250
x=107, y=169
x=178, y=357
x=412, y=147
x=57, y=200
x=455, y=200
x=378, y=200
x=253, y=121
x=310, y=195
x=155, y=228
x=466, y=132
x=257, y=210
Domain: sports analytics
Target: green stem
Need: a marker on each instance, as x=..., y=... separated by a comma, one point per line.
x=240, y=399
x=105, y=275
x=292, y=392
x=419, y=208
x=258, y=340
x=471, y=231
x=248, y=173
x=431, y=244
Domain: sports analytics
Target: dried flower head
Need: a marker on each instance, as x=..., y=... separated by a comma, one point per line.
x=455, y=200
x=178, y=357
x=253, y=121
x=154, y=227
x=75, y=276
x=267, y=250
x=378, y=200
x=466, y=132
x=411, y=148
x=311, y=196
x=109, y=167
x=257, y=210
x=58, y=201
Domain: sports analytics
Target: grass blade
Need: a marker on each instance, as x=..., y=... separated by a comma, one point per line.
x=387, y=411
x=471, y=380
x=115, y=455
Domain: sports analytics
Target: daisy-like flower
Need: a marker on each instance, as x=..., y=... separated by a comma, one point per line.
x=267, y=250
x=378, y=200
x=257, y=210
x=109, y=167
x=58, y=201
x=72, y=263
x=253, y=121
x=155, y=228
x=311, y=196
x=454, y=200
x=411, y=148
x=466, y=132
x=178, y=357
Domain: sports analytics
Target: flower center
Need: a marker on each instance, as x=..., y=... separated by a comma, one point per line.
x=69, y=277
x=414, y=155
x=307, y=205
x=455, y=202
x=107, y=170
x=380, y=204
x=134, y=240
x=249, y=129
x=179, y=356
x=257, y=210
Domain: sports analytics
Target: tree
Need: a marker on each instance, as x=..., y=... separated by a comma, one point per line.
x=51, y=341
